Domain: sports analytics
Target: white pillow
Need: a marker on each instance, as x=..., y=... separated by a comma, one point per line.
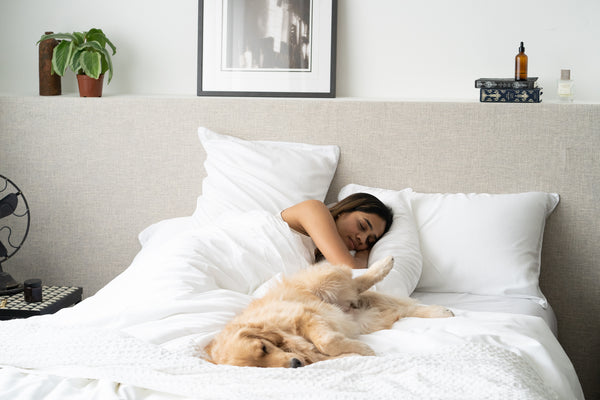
x=164, y=230
x=486, y=244
x=247, y=175
x=401, y=241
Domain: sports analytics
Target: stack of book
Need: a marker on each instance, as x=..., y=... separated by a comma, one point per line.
x=508, y=90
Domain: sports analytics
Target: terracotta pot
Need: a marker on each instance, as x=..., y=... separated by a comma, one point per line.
x=90, y=87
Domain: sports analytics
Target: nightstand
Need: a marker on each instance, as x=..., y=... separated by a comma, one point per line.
x=53, y=299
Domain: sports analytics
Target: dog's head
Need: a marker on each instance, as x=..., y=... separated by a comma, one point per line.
x=253, y=346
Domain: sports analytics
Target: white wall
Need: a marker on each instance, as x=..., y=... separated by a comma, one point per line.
x=387, y=49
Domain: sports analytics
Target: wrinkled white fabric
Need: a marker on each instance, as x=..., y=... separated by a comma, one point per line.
x=141, y=335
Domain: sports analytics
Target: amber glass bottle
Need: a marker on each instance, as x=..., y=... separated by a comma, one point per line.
x=521, y=64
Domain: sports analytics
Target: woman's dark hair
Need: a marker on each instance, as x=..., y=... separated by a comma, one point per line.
x=366, y=203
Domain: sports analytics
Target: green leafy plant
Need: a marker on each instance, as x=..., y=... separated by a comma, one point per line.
x=83, y=52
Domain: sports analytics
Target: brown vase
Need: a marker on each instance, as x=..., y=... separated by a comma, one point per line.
x=49, y=81
x=90, y=87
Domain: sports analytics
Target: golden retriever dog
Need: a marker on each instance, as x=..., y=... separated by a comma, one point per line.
x=315, y=315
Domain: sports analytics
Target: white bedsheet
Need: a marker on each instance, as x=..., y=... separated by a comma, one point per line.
x=474, y=302
x=141, y=335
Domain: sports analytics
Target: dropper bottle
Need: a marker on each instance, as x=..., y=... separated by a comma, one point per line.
x=521, y=64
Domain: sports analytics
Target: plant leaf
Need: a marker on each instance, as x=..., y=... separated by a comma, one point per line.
x=66, y=36
x=96, y=35
x=106, y=62
x=109, y=65
x=78, y=38
x=91, y=63
x=76, y=61
x=112, y=46
x=61, y=57
x=92, y=45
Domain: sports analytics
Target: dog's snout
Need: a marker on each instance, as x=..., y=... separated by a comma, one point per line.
x=295, y=363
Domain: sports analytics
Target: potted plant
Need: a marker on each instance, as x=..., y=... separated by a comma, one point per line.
x=86, y=54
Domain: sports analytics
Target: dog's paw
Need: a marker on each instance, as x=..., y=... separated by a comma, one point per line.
x=385, y=264
x=351, y=346
x=439, y=312
x=364, y=349
x=382, y=267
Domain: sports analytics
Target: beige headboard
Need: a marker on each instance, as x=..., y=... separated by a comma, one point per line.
x=98, y=171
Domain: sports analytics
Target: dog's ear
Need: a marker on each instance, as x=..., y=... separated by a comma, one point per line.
x=208, y=349
x=249, y=331
x=273, y=335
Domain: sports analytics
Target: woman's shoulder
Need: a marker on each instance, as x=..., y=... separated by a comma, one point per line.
x=312, y=203
x=298, y=215
x=305, y=209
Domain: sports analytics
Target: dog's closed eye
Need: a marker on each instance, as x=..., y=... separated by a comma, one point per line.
x=264, y=349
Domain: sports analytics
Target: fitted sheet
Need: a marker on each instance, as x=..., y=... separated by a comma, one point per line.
x=472, y=302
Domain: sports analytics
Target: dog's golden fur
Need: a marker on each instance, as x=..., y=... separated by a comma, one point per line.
x=315, y=315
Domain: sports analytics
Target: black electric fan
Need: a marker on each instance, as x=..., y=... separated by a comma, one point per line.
x=14, y=227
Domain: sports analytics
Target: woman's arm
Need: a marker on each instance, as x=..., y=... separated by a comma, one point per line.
x=312, y=217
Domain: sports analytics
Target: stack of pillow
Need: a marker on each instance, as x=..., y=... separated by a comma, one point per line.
x=477, y=243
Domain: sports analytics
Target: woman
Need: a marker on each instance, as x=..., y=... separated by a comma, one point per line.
x=353, y=224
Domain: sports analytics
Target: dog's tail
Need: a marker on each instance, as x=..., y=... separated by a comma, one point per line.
x=374, y=274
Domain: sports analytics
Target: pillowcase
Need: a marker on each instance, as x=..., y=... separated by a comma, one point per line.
x=164, y=230
x=486, y=244
x=247, y=175
x=401, y=241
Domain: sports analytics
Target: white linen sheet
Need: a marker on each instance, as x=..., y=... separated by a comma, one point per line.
x=475, y=302
x=141, y=336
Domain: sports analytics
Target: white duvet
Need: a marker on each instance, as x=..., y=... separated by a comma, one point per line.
x=141, y=336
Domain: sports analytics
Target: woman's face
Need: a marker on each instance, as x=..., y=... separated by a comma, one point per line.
x=359, y=230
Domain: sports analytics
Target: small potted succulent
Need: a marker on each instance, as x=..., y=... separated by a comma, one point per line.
x=86, y=54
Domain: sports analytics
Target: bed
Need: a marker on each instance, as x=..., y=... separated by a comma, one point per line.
x=141, y=334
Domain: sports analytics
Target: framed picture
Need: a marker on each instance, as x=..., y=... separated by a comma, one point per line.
x=268, y=48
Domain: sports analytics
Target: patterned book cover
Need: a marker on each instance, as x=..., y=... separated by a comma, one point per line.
x=505, y=83
x=511, y=95
x=53, y=299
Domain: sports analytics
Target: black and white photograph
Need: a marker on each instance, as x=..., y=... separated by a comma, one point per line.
x=280, y=48
x=268, y=34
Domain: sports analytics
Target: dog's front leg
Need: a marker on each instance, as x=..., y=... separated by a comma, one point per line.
x=374, y=274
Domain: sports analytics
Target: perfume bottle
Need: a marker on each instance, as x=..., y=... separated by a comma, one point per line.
x=565, y=86
x=521, y=64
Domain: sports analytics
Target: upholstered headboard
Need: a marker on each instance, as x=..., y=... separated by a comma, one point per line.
x=98, y=171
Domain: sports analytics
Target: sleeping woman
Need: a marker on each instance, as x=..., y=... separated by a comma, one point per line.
x=352, y=225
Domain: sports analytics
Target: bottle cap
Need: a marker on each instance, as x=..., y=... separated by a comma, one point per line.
x=522, y=48
x=565, y=74
x=33, y=283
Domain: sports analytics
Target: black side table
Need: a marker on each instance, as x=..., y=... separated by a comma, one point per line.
x=53, y=299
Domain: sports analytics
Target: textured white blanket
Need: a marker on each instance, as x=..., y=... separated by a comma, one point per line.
x=140, y=334
x=471, y=371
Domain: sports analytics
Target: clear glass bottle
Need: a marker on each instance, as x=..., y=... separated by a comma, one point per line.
x=521, y=64
x=565, y=86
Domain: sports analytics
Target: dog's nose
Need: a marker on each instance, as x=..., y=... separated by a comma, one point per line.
x=295, y=363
